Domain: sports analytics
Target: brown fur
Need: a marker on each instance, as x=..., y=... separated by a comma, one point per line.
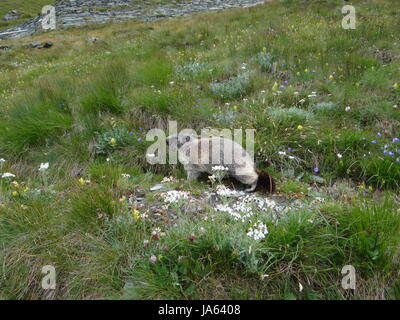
x=265, y=182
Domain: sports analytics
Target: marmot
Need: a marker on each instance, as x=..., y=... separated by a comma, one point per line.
x=202, y=154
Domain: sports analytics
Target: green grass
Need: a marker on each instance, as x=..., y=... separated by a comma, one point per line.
x=86, y=108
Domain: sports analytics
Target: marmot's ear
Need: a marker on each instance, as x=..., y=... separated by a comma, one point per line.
x=187, y=138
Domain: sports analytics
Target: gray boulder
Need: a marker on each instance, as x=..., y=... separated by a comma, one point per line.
x=11, y=15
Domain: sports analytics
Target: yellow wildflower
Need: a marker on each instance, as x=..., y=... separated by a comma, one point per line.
x=136, y=214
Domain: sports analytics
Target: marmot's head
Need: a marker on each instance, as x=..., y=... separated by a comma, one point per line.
x=176, y=141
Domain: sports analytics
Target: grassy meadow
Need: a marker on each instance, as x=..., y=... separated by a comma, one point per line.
x=325, y=104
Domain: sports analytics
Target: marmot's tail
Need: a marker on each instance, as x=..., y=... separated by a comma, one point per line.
x=265, y=182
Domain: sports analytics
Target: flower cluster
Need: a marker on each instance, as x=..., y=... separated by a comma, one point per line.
x=244, y=208
x=390, y=150
x=223, y=191
x=219, y=173
x=219, y=168
x=258, y=231
x=174, y=196
x=43, y=167
x=169, y=179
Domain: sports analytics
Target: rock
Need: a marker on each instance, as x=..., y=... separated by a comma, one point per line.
x=48, y=44
x=81, y=12
x=41, y=45
x=23, y=30
x=157, y=187
x=35, y=44
x=92, y=40
x=11, y=15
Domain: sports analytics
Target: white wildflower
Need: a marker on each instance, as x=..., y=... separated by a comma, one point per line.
x=169, y=179
x=44, y=166
x=219, y=168
x=244, y=208
x=223, y=191
x=174, y=196
x=258, y=231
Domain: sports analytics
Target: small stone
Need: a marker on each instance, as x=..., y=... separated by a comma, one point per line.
x=92, y=39
x=35, y=44
x=11, y=15
x=48, y=44
x=157, y=187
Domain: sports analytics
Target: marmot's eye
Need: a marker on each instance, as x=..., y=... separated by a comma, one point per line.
x=187, y=139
